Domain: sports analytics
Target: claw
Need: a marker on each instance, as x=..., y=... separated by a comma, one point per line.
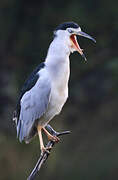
x=51, y=137
x=54, y=138
x=45, y=149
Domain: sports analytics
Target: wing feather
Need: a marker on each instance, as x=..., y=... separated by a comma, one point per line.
x=33, y=105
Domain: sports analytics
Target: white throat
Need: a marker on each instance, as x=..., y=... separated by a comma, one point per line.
x=57, y=60
x=59, y=47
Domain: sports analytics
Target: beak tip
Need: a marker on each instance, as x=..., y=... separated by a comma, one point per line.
x=81, y=33
x=84, y=57
x=94, y=40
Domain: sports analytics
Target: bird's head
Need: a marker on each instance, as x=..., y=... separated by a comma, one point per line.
x=68, y=31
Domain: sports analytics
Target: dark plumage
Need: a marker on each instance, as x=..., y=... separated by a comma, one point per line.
x=29, y=83
x=32, y=79
x=66, y=25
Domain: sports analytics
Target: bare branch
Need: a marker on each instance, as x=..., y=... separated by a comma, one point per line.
x=44, y=155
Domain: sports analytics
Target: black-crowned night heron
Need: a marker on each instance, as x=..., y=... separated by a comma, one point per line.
x=46, y=90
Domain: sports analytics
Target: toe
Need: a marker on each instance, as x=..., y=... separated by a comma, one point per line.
x=46, y=149
x=56, y=139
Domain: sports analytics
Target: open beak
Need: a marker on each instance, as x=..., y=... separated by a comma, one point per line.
x=75, y=43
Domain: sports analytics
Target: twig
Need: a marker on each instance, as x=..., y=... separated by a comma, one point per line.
x=44, y=155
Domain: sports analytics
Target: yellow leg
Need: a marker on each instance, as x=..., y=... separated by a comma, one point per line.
x=51, y=137
x=42, y=147
x=39, y=128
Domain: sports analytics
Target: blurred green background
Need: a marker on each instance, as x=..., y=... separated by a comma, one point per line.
x=90, y=152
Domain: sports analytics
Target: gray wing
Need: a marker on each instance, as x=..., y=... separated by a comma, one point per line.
x=33, y=105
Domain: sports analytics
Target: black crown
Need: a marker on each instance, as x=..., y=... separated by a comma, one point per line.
x=66, y=25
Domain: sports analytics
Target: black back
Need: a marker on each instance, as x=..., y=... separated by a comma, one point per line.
x=29, y=83
x=32, y=79
x=66, y=25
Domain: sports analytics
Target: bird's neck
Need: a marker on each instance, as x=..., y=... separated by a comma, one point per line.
x=57, y=60
x=58, y=52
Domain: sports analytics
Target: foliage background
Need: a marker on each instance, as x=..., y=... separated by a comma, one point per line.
x=91, y=151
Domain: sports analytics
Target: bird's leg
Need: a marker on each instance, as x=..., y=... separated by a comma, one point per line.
x=42, y=147
x=50, y=136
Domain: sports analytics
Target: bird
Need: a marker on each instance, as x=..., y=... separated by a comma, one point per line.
x=45, y=92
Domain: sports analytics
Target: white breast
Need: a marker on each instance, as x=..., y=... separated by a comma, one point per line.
x=59, y=89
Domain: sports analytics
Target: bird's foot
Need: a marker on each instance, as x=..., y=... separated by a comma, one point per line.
x=46, y=149
x=53, y=138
